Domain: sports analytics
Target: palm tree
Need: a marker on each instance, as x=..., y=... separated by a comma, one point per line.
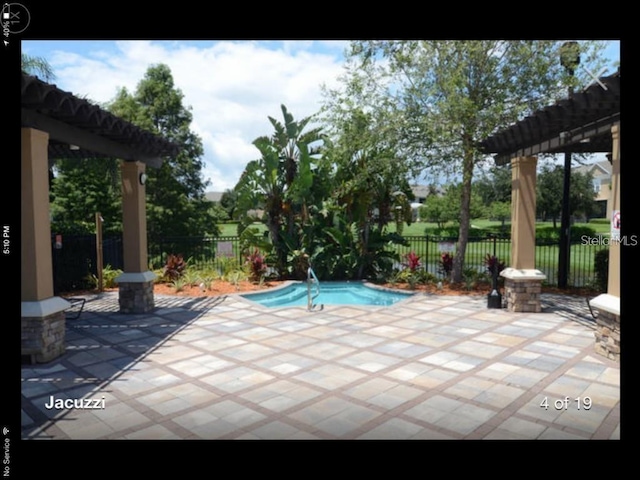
x=37, y=66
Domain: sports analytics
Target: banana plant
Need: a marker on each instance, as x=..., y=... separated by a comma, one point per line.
x=297, y=151
x=281, y=180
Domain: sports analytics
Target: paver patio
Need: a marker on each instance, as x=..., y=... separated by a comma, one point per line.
x=431, y=367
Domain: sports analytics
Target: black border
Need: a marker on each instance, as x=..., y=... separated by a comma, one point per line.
x=10, y=263
x=196, y=21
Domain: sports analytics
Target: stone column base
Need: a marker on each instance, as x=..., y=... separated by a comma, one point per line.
x=607, y=326
x=136, y=292
x=522, y=289
x=43, y=325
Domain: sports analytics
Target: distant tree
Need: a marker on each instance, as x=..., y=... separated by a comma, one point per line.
x=582, y=196
x=549, y=193
x=437, y=209
x=442, y=209
x=494, y=185
x=500, y=211
x=441, y=98
x=229, y=201
x=176, y=202
x=218, y=212
x=79, y=189
x=453, y=196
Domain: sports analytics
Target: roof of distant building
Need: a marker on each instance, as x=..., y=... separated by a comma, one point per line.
x=213, y=196
x=604, y=166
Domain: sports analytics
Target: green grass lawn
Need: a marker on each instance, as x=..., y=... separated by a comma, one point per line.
x=418, y=228
x=231, y=229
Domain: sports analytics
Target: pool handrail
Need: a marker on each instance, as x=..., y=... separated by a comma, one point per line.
x=311, y=277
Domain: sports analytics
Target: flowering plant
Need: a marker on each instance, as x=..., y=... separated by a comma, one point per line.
x=492, y=263
x=413, y=261
x=446, y=263
x=257, y=264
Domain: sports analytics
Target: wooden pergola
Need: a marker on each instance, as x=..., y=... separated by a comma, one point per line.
x=57, y=124
x=579, y=124
x=585, y=122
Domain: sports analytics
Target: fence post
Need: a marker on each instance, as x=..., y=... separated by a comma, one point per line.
x=495, y=239
x=99, y=266
x=427, y=253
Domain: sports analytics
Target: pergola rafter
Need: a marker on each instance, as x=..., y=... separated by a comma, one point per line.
x=579, y=124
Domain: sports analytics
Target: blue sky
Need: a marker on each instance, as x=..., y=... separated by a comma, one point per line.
x=231, y=86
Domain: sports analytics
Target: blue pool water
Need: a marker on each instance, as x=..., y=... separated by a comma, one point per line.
x=331, y=293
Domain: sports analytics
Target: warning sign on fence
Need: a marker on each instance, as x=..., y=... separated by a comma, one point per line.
x=446, y=246
x=224, y=249
x=615, y=225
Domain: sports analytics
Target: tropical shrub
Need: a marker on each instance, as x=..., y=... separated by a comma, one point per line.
x=174, y=267
x=257, y=264
x=454, y=232
x=178, y=283
x=548, y=234
x=601, y=268
x=446, y=264
x=492, y=263
x=412, y=261
x=109, y=276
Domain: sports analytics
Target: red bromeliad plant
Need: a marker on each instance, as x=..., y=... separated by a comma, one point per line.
x=257, y=264
x=446, y=264
x=492, y=263
x=413, y=261
x=174, y=267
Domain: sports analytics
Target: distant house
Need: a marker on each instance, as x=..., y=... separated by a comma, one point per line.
x=421, y=192
x=601, y=173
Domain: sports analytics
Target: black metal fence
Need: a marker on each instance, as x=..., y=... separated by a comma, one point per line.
x=75, y=261
x=210, y=252
x=431, y=248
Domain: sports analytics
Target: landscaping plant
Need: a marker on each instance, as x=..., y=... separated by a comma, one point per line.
x=257, y=265
x=174, y=267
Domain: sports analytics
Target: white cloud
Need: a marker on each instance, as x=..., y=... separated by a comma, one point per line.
x=231, y=86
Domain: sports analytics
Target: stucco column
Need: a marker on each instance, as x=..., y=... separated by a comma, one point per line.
x=136, y=282
x=42, y=314
x=607, y=305
x=523, y=212
x=37, y=270
x=523, y=283
x=134, y=218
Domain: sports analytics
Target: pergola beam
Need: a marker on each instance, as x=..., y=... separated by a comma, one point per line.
x=563, y=127
x=564, y=141
x=65, y=133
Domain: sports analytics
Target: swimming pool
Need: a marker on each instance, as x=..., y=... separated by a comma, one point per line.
x=331, y=293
